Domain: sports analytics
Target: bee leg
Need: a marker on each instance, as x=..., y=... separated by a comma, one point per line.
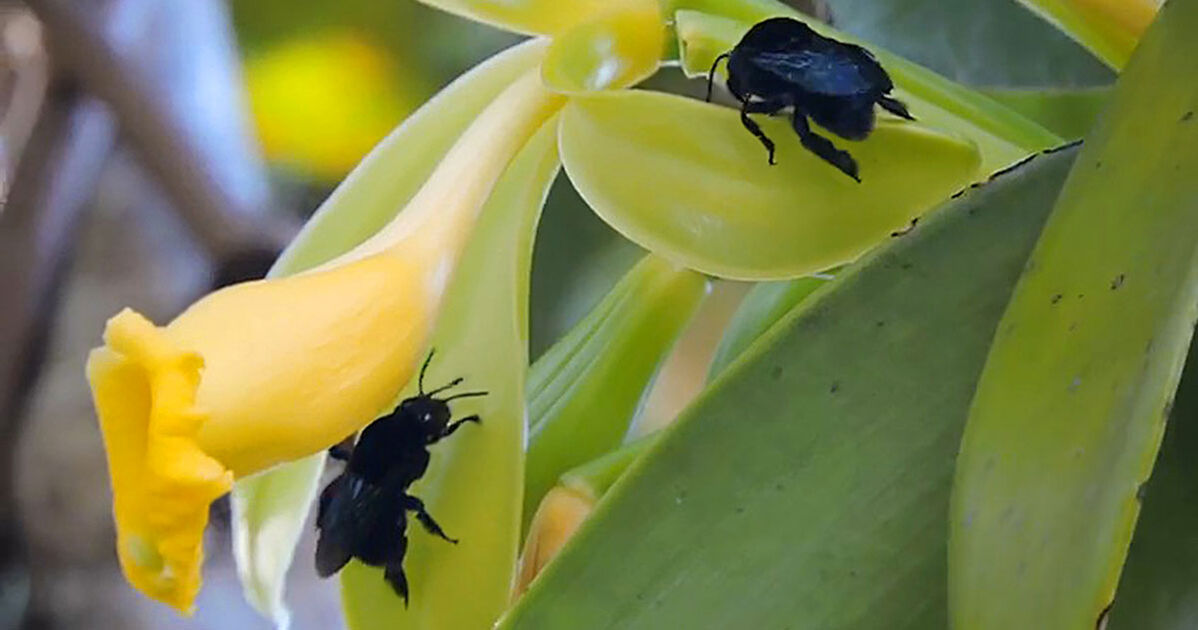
x=393, y=570
x=453, y=426
x=823, y=147
x=759, y=107
x=895, y=106
x=755, y=129
x=343, y=449
x=413, y=504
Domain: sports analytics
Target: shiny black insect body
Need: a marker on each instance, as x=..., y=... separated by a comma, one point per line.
x=782, y=63
x=363, y=512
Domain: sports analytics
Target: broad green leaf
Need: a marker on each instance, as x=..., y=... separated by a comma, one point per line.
x=685, y=180
x=614, y=50
x=976, y=42
x=269, y=509
x=1108, y=28
x=1070, y=410
x=765, y=304
x=534, y=17
x=1068, y=113
x=585, y=391
x=1159, y=586
x=475, y=480
x=1002, y=135
x=808, y=486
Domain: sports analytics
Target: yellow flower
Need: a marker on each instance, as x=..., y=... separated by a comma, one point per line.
x=269, y=371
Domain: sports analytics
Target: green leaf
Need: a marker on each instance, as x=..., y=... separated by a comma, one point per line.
x=269, y=509
x=475, y=480
x=978, y=42
x=1069, y=413
x=1068, y=113
x=808, y=486
x=614, y=50
x=765, y=304
x=1159, y=586
x=685, y=180
x=1108, y=28
x=1002, y=135
x=584, y=392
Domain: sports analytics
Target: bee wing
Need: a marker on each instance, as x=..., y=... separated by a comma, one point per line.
x=346, y=506
x=844, y=71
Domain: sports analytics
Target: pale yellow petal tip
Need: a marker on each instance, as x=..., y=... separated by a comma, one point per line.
x=143, y=388
x=559, y=515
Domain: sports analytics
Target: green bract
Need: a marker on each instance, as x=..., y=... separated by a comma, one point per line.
x=684, y=179
x=584, y=392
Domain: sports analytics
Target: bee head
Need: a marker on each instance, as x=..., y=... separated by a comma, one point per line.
x=430, y=412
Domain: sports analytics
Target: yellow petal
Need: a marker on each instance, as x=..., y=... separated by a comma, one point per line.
x=144, y=390
x=273, y=370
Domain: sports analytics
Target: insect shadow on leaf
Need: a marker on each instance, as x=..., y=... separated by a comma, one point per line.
x=782, y=63
x=363, y=512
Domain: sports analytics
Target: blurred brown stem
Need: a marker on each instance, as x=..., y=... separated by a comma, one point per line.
x=55, y=178
x=224, y=229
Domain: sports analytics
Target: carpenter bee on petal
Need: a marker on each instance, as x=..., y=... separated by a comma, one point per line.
x=363, y=512
x=782, y=63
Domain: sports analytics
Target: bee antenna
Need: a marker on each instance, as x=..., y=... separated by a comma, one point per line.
x=711, y=74
x=424, y=368
x=454, y=383
x=464, y=395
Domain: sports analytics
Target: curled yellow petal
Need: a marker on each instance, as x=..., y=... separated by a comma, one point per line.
x=273, y=370
x=144, y=389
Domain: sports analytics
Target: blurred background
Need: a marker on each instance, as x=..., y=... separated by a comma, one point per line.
x=152, y=150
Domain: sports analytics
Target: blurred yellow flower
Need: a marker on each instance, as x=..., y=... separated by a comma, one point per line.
x=269, y=371
x=321, y=101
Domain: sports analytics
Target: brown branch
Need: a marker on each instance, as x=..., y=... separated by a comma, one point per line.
x=54, y=180
x=224, y=229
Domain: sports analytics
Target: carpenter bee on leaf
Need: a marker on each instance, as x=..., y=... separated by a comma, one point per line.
x=782, y=63
x=363, y=512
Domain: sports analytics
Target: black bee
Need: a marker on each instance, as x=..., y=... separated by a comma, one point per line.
x=363, y=512
x=782, y=63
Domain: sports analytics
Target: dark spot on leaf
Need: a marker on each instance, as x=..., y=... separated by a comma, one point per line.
x=835, y=387
x=1056, y=298
x=880, y=323
x=779, y=487
x=776, y=373
x=1067, y=145
x=1081, y=296
x=1072, y=326
x=1097, y=164
x=1188, y=116
x=906, y=265
x=906, y=230
x=740, y=510
x=1117, y=282
x=1012, y=167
